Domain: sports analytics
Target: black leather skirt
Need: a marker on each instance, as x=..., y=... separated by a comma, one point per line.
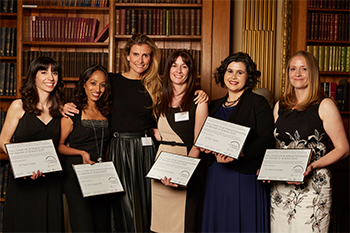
x=131, y=209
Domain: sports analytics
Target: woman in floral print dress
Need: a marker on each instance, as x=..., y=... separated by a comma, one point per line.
x=305, y=119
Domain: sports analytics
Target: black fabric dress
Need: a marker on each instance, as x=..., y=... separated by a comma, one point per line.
x=35, y=205
x=89, y=214
x=131, y=120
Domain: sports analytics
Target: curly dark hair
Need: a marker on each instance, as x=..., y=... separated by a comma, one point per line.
x=29, y=91
x=252, y=72
x=104, y=103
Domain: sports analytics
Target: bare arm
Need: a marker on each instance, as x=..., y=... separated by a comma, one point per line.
x=14, y=114
x=334, y=127
x=66, y=129
x=201, y=114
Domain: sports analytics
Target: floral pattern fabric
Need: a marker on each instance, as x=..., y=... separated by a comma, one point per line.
x=305, y=207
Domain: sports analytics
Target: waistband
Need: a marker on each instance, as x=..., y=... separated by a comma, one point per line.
x=172, y=143
x=128, y=134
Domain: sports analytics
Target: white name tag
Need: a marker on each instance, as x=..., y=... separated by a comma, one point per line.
x=146, y=141
x=182, y=116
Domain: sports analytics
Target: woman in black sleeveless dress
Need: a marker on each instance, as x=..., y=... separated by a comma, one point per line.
x=35, y=204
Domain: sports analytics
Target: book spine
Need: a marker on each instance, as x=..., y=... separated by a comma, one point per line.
x=122, y=21
x=133, y=21
x=144, y=21
x=117, y=21
x=193, y=21
x=176, y=21
x=127, y=22
x=321, y=58
x=139, y=21
x=182, y=21
x=150, y=22
x=198, y=21
x=326, y=59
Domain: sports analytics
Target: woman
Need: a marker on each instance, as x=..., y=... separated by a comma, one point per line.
x=234, y=201
x=175, y=209
x=87, y=134
x=305, y=119
x=35, y=204
x=134, y=95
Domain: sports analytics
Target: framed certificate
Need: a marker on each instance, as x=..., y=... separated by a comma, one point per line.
x=26, y=157
x=222, y=137
x=284, y=164
x=177, y=167
x=97, y=179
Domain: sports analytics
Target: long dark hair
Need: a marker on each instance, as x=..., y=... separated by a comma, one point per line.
x=104, y=103
x=168, y=92
x=29, y=91
x=252, y=72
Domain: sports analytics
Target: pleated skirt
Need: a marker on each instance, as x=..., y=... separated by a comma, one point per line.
x=131, y=209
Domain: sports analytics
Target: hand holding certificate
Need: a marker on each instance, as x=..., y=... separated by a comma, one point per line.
x=177, y=167
x=97, y=179
x=284, y=165
x=26, y=157
x=222, y=137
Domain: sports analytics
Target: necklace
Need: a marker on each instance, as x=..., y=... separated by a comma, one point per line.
x=99, y=152
x=229, y=104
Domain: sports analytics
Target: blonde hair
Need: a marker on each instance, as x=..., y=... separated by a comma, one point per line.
x=150, y=79
x=314, y=89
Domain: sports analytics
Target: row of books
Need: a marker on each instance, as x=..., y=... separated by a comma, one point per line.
x=72, y=63
x=158, y=21
x=8, y=6
x=331, y=4
x=60, y=29
x=339, y=92
x=8, y=39
x=4, y=176
x=328, y=26
x=74, y=3
x=331, y=58
x=196, y=54
x=160, y=1
x=8, y=81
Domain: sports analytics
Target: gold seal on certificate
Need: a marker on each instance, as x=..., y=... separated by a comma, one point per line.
x=177, y=167
x=97, y=179
x=26, y=157
x=284, y=164
x=222, y=137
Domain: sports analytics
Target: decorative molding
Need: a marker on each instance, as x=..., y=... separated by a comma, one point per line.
x=285, y=45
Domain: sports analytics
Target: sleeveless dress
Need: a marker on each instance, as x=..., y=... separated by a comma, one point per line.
x=89, y=214
x=306, y=207
x=130, y=120
x=176, y=209
x=234, y=201
x=35, y=205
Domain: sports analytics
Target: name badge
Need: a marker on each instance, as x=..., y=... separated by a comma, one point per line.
x=146, y=141
x=182, y=116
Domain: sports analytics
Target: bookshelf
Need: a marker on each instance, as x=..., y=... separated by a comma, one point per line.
x=301, y=39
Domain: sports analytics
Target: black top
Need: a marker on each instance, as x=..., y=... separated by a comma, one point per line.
x=252, y=111
x=132, y=110
x=82, y=137
x=301, y=129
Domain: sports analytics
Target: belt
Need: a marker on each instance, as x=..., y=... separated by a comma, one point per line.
x=173, y=143
x=128, y=134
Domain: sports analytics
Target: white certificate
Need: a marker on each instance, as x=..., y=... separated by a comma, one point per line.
x=222, y=137
x=284, y=164
x=26, y=157
x=177, y=167
x=97, y=179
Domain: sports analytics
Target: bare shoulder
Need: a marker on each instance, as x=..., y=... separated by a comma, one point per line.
x=16, y=107
x=328, y=107
x=275, y=110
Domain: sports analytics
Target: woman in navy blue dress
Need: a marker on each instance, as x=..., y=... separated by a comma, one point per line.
x=234, y=200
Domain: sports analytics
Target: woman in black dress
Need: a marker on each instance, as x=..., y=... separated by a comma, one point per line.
x=35, y=204
x=87, y=135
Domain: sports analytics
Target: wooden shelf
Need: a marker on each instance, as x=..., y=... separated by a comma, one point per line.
x=12, y=58
x=328, y=10
x=328, y=42
x=66, y=44
x=66, y=8
x=165, y=37
x=158, y=5
x=333, y=73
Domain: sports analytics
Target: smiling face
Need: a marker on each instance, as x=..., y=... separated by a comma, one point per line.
x=46, y=80
x=236, y=77
x=298, y=75
x=95, y=86
x=179, y=72
x=139, y=58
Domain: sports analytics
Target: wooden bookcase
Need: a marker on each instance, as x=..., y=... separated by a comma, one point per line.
x=214, y=42
x=299, y=41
